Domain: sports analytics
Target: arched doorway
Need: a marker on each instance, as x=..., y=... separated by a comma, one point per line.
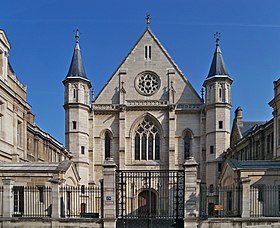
x=147, y=200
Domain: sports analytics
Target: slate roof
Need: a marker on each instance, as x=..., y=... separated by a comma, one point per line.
x=76, y=68
x=249, y=126
x=254, y=164
x=35, y=166
x=218, y=66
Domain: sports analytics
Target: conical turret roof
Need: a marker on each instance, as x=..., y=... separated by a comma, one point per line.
x=218, y=66
x=76, y=68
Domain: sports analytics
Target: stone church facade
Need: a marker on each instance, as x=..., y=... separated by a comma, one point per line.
x=147, y=116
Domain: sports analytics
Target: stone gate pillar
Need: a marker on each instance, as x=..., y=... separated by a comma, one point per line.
x=8, y=198
x=55, y=211
x=191, y=193
x=245, y=197
x=109, y=193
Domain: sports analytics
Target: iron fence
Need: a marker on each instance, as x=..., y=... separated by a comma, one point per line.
x=220, y=201
x=150, y=194
x=81, y=201
x=32, y=201
x=265, y=201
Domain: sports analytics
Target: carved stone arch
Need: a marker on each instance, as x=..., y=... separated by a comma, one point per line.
x=188, y=131
x=147, y=200
x=102, y=133
x=140, y=119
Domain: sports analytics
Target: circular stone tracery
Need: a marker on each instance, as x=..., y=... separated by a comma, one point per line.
x=147, y=83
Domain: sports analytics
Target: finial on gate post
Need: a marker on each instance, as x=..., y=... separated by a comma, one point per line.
x=148, y=19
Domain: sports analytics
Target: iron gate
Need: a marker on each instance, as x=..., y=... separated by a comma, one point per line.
x=150, y=198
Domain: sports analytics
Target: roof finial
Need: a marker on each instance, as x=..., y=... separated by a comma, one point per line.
x=77, y=35
x=148, y=19
x=217, y=36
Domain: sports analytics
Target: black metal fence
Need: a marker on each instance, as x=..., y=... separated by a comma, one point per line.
x=220, y=201
x=32, y=201
x=150, y=198
x=81, y=202
x=265, y=201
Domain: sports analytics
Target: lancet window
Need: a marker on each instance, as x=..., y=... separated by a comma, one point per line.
x=147, y=141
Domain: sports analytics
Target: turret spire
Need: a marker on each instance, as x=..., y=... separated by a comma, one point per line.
x=76, y=68
x=218, y=66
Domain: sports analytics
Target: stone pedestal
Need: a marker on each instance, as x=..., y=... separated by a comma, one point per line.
x=109, y=194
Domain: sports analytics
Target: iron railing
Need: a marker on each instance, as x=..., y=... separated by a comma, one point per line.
x=265, y=201
x=32, y=201
x=150, y=194
x=220, y=201
x=81, y=201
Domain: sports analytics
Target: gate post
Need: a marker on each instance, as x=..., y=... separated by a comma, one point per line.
x=109, y=194
x=7, y=198
x=55, y=209
x=191, y=193
x=245, y=197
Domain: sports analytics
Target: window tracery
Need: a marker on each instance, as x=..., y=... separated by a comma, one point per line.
x=147, y=83
x=147, y=141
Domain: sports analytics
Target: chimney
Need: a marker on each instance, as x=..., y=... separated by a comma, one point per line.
x=238, y=116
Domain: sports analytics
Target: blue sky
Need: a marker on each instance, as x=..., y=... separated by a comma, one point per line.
x=42, y=39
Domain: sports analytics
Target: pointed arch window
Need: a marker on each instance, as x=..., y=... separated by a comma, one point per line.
x=187, y=145
x=147, y=141
x=107, y=145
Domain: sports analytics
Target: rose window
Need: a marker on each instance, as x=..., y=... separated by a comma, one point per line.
x=147, y=83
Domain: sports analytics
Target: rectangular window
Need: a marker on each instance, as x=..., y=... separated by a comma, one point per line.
x=74, y=93
x=220, y=124
x=82, y=150
x=18, y=200
x=74, y=123
x=220, y=166
x=148, y=52
x=211, y=149
x=19, y=134
x=83, y=189
x=41, y=194
x=211, y=188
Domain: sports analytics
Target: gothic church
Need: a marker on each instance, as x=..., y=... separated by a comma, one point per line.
x=147, y=116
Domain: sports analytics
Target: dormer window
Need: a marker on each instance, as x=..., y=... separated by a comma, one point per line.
x=148, y=52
